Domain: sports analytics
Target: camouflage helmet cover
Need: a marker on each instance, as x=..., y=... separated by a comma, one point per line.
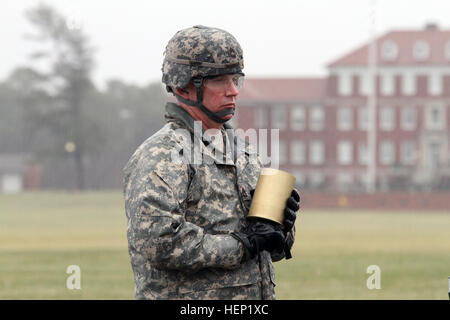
x=200, y=52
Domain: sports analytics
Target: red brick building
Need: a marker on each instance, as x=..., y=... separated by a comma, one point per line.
x=323, y=122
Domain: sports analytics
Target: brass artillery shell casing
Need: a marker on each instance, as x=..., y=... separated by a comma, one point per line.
x=273, y=189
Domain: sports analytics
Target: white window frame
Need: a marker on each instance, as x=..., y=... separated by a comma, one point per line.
x=421, y=50
x=387, y=152
x=365, y=84
x=408, y=152
x=409, y=83
x=364, y=179
x=389, y=50
x=298, y=118
x=344, y=118
x=363, y=154
x=405, y=123
x=387, y=84
x=387, y=118
x=316, y=111
x=300, y=177
x=316, y=152
x=345, y=152
x=435, y=85
x=316, y=179
x=363, y=118
x=345, y=83
x=430, y=124
x=297, y=152
x=278, y=117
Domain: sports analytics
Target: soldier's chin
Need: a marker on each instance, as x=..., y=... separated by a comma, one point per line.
x=230, y=114
x=227, y=117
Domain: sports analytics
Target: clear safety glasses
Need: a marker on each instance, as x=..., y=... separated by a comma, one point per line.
x=223, y=82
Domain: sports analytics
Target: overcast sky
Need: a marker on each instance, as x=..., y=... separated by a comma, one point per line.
x=284, y=38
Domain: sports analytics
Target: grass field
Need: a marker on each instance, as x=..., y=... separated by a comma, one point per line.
x=41, y=234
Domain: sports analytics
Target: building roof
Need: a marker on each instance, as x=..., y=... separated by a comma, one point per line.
x=405, y=40
x=283, y=89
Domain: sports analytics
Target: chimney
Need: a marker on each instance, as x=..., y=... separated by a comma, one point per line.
x=431, y=26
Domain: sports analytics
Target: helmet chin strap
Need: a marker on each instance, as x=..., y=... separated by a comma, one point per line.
x=214, y=116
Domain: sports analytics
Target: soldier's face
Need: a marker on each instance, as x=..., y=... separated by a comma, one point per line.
x=219, y=93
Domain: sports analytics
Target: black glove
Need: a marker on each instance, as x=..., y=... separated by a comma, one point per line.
x=292, y=206
x=259, y=236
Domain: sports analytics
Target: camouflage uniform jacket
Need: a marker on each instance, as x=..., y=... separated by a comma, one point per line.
x=180, y=216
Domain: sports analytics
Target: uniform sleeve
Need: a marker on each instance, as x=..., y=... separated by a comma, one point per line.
x=159, y=233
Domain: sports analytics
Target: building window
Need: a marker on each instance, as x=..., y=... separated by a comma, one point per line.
x=408, y=118
x=387, y=152
x=317, y=179
x=345, y=84
x=282, y=152
x=363, y=118
x=421, y=50
x=279, y=117
x=387, y=119
x=297, y=152
x=344, y=180
x=345, y=153
x=409, y=84
x=408, y=152
x=387, y=84
x=364, y=179
x=435, y=84
x=317, y=116
x=316, y=152
x=300, y=178
x=298, y=118
x=433, y=156
x=261, y=117
x=363, y=154
x=447, y=50
x=435, y=117
x=389, y=50
x=365, y=84
x=345, y=119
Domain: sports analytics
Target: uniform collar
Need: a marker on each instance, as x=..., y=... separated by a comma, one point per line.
x=175, y=113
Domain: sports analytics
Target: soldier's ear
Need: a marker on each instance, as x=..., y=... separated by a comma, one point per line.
x=187, y=92
x=182, y=92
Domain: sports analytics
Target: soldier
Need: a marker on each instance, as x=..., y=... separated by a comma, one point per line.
x=186, y=228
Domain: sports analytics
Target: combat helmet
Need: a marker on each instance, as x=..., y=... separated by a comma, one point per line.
x=197, y=53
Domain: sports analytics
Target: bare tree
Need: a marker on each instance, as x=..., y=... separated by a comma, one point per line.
x=69, y=58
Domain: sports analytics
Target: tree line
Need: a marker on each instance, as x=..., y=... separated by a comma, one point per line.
x=57, y=118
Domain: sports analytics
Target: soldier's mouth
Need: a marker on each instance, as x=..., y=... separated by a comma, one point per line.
x=230, y=106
